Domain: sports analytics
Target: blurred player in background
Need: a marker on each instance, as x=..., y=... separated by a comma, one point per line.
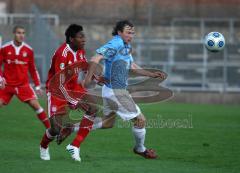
x=116, y=99
x=17, y=58
x=69, y=54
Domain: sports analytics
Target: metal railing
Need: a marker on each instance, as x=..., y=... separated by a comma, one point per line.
x=28, y=18
x=188, y=63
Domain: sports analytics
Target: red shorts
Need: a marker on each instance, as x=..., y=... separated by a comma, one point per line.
x=59, y=106
x=23, y=92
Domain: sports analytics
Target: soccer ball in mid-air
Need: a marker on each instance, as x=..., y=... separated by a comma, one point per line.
x=214, y=41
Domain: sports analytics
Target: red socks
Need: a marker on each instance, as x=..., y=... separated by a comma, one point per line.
x=44, y=119
x=85, y=126
x=46, y=139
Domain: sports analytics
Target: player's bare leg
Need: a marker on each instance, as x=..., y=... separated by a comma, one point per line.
x=64, y=130
x=49, y=135
x=88, y=104
x=99, y=123
x=105, y=122
x=139, y=133
x=42, y=116
x=138, y=130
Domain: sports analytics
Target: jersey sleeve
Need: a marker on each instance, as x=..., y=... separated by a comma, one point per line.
x=33, y=70
x=59, y=62
x=108, y=50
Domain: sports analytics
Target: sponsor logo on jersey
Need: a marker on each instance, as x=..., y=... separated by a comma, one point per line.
x=24, y=54
x=19, y=62
x=16, y=61
x=9, y=53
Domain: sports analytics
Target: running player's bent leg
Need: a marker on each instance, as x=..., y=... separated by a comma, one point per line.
x=48, y=137
x=89, y=106
x=52, y=132
x=105, y=122
x=139, y=132
x=26, y=94
x=42, y=116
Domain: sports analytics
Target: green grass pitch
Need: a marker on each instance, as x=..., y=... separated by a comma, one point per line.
x=188, y=138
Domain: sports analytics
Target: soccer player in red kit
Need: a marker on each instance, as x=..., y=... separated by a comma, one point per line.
x=68, y=54
x=17, y=57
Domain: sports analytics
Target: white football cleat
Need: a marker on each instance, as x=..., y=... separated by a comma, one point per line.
x=44, y=153
x=74, y=151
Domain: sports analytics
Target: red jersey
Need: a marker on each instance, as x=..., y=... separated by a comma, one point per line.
x=63, y=57
x=17, y=62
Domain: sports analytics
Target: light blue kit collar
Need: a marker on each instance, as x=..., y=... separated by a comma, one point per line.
x=119, y=37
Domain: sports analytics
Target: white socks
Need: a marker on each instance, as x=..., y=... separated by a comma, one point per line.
x=97, y=123
x=139, y=135
x=40, y=110
x=76, y=127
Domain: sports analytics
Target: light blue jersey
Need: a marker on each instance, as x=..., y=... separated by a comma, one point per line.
x=118, y=59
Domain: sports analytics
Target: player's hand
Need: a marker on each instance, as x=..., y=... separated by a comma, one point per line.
x=87, y=83
x=100, y=80
x=39, y=91
x=83, y=83
x=2, y=82
x=158, y=74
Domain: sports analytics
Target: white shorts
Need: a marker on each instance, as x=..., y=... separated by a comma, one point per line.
x=120, y=102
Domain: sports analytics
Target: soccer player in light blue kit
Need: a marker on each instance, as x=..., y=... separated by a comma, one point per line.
x=116, y=99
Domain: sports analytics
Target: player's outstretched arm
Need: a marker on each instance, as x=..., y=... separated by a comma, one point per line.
x=91, y=70
x=137, y=69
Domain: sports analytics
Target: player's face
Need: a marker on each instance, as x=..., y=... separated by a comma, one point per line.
x=79, y=41
x=127, y=34
x=19, y=35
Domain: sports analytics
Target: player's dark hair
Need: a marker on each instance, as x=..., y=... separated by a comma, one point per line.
x=72, y=31
x=120, y=26
x=17, y=27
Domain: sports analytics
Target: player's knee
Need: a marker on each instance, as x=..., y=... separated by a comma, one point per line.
x=109, y=121
x=139, y=121
x=53, y=131
x=34, y=104
x=108, y=125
